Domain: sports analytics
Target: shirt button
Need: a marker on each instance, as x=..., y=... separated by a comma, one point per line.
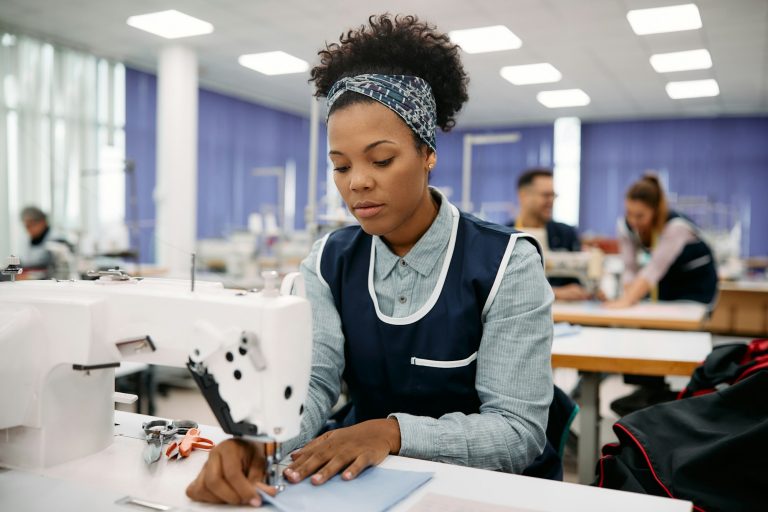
x=403, y=263
x=403, y=300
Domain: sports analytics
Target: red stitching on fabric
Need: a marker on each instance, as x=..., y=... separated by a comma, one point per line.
x=650, y=466
x=750, y=371
x=602, y=472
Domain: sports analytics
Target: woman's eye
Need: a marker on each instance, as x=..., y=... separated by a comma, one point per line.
x=383, y=163
x=341, y=168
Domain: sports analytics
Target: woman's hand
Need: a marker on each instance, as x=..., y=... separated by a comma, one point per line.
x=571, y=292
x=350, y=449
x=233, y=474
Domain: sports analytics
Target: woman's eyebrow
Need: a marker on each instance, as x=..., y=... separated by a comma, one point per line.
x=367, y=148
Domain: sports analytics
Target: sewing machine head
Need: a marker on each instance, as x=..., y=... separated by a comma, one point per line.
x=586, y=266
x=60, y=342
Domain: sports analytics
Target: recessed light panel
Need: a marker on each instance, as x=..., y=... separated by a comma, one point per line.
x=170, y=24
x=563, y=98
x=541, y=73
x=273, y=63
x=485, y=39
x=681, y=61
x=658, y=20
x=693, y=89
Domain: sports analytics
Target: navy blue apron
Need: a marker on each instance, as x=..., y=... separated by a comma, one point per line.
x=693, y=275
x=424, y=364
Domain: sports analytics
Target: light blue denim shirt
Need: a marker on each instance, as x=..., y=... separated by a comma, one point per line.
x=514, y=376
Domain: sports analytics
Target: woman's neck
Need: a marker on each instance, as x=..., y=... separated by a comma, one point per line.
x=402, y=239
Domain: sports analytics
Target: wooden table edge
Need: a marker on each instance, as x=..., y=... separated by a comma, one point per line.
x=653, y=367
x=629, y=322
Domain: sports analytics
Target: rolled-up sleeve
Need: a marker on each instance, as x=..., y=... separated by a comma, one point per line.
x=514, y=381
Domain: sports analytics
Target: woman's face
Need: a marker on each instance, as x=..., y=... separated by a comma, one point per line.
x=378, y=169
x=639, y=215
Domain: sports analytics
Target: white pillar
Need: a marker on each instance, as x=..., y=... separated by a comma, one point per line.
x=176, y=189
x=567, y=172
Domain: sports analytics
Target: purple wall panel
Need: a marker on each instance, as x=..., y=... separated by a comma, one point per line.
x=140, y=142
x=234, y=137
x=724, y=159
x=496, y=167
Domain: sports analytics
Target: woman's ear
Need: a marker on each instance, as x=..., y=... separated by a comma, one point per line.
x=431, y=160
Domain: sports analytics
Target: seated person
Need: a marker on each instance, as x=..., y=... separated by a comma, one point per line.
x=39, y=258
x=536, y=196
x=440, y=324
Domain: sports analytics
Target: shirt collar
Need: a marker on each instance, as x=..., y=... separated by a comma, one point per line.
x=421, y=257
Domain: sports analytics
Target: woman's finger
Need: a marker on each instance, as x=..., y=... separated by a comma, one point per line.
x=332, y=468
x=197, y=490
x=216, y=482
x=360, y=464
x=232, y=471
x=298, y=471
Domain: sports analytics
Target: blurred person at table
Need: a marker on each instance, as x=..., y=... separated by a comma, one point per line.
x=39, y=257
x=665, y=256
x=536, y=197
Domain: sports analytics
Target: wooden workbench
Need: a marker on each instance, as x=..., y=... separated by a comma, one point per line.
x=678, y=316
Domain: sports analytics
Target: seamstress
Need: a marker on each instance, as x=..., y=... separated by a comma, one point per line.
x=37, y=258
x=536, y=197
x=677, y=264
x=439, y=323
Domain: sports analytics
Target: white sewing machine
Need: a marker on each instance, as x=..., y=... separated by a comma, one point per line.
x=586, y=266
x=61, y=340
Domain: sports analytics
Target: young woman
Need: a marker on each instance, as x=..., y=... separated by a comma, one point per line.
x=678, y=263
x=439, y=323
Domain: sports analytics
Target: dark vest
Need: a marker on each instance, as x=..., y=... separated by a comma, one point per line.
x=425, y=367
x=693, y=275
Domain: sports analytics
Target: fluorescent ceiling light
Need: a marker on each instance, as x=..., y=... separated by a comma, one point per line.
x=170, y=24
x=273, y=63
x=681, y=61
x=664, y=19
x=541, y=73
x=693, y=89
x=485, y=39
x=563, y=98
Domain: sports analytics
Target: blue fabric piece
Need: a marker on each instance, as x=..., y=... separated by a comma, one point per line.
x=410, y=97
x=565, y=329
x=374, y=490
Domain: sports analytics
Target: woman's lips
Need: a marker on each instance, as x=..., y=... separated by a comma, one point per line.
x=368, y=211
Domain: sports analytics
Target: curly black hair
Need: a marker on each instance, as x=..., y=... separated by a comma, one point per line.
x=399, y=45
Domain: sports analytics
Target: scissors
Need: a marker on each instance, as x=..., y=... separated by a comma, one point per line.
x=190, y=441
x=158, y=432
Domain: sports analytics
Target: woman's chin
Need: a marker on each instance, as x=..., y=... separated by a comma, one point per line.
x=373, y=227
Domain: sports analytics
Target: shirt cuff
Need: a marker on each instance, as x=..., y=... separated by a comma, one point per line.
x=417, y=439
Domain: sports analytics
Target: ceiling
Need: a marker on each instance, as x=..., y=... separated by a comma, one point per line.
x=589, y=41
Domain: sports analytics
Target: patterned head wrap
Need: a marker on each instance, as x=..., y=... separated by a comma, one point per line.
x=410, y=97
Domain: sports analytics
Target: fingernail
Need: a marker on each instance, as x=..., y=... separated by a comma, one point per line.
x=317, y=478
x=255, y=502
x=348, y=475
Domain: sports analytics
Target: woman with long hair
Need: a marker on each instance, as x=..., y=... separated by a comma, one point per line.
x=665, y=256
